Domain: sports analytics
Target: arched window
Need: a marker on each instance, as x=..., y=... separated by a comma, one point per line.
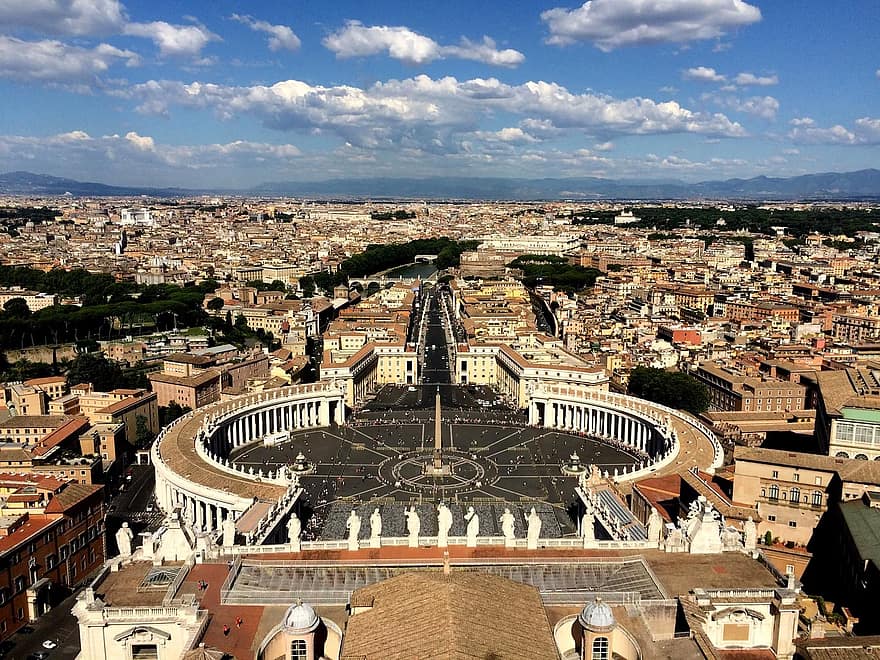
x=841, y=454
x=795, y=495
x=600, y=649
x=861, y=457
x=299, y=650
x=774, y=492
x=817, y=498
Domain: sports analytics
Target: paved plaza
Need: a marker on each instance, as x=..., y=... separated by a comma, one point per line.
x=378, y=460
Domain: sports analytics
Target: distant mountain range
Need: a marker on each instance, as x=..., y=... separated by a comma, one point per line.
x=863, y=184
x=28, y=183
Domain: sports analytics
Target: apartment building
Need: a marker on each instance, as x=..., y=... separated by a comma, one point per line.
x=51, y=539
x=732, y=389
x=788, y=490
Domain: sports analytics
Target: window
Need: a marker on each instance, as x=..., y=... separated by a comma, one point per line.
x=774, y=492
x=19, y=583
x=792, y=523
x=600, y=648
x=817, y=498
x=775, y=474
x=144, y=652
x=789, y=569
x=298, y=650
x=818, y=481
x=795, y=495
x=797, y=477
x=771, y=518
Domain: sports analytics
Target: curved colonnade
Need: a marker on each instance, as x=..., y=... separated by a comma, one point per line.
x=191, y=455
x=194, y=473
x=645, y=427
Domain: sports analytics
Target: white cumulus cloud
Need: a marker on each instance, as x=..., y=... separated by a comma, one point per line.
x=611, y=24
x=703, y=74
x=52, y=61
x=803, y=121
x=759, y=106
x=141, y=142
x=173, y=40
x=68, y=17
x=401, y=43
x=281, y=37
x=865, y=131
x=746, y=79
x=429, y=113
x=132, y=154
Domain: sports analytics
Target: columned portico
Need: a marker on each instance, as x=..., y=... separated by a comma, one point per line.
x=191, y=455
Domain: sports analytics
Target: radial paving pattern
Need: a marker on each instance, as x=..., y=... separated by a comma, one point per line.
x=381, y=458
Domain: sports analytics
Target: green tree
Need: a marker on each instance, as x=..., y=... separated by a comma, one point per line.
x=215, y=304
x=96, y=369
x=307, y=284
x=143, y=435
x=669, y=388
x=172, y=411
x=17, y=307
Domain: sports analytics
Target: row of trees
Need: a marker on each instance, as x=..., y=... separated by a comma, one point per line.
x=101, y=316
x=749, y=218
x=554, y=271
x=392, y=215
x=379, y=258
x=669, y=388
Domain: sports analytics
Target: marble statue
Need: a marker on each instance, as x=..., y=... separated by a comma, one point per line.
x=473, y=527
x=704, y=527
x=588, y=528
x=375, y=528
x=750, y=533
x=228, y=531
x=655, y=527
x=444, y=524
x=413, y=526
x=294, y=528
x=675, y=541
x=507, y=527
x=731, y=539
x=353, y=525
x=124, y=536
x=534, y=530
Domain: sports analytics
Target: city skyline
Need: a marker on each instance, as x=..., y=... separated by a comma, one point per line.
x=231, y=95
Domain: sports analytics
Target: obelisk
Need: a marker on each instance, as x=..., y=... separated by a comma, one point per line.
x=438, y=447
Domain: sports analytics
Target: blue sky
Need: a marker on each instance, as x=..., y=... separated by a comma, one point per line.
x=230, y=94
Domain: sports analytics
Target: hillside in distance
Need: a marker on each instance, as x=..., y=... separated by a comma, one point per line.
x=28, y=183
x=862, y=184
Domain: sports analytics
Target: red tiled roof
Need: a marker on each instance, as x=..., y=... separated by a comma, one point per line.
x=72, y=495
x=71, y=428
x=35, y=524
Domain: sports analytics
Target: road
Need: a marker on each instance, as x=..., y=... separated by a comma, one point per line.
x=58, y=624
x=438, y=353
x=131, y=505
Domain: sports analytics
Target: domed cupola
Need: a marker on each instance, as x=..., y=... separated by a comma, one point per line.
x=597, y=616
x=301, y=618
